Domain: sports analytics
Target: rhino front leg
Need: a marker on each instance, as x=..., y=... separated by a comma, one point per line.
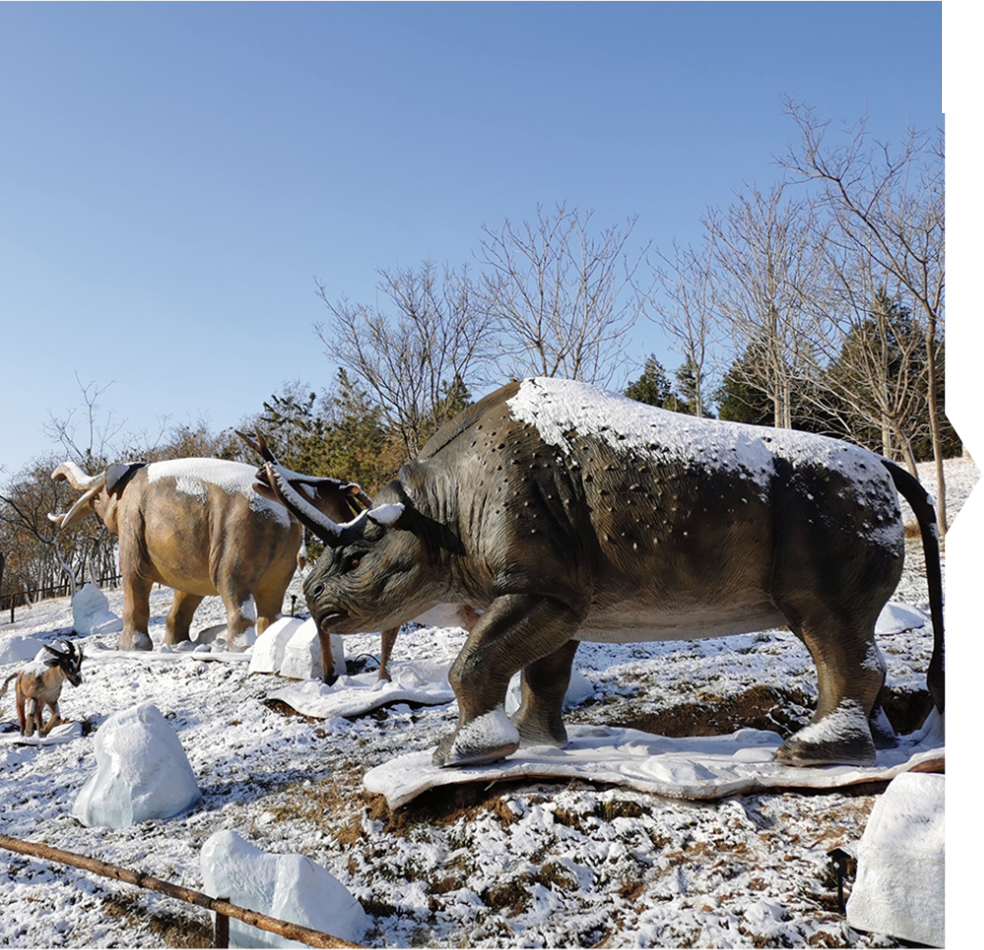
x=516, y=632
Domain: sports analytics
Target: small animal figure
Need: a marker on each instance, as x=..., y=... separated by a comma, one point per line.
x=40, y=685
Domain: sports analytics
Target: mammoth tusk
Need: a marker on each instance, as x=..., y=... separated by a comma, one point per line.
x=76, y=477
x=80, y=508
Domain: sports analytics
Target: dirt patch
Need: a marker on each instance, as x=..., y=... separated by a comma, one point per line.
x=760, y=707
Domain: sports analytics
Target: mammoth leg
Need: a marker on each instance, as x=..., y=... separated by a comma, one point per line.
x=269, y=596
x=539, y=718
x=183, y=608
x=851, y=673
x=516, y=631
x=136, y=614
x=240, y=616
x=389, y=639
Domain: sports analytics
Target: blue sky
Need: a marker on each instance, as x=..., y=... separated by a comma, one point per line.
x=173, y=177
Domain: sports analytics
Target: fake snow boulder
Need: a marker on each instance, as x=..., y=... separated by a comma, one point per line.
x=899, y=888
x=20, y=650
x=291, y=647
x=141, y=772
x=289, y=887
x=91, y=614
x=268, y=651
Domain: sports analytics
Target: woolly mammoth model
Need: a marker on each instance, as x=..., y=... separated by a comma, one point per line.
x=197, y=526
x=567, y=514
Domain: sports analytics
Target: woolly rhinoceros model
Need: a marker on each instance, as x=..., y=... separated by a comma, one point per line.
x=567, y=513
x=197, y=526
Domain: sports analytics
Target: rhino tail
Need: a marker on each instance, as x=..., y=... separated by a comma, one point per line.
x=911, y=489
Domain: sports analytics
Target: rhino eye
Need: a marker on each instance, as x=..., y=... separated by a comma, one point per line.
x=353, y=563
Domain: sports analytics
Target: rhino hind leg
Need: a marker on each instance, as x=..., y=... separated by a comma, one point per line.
x=540, y=717
x=851, y=673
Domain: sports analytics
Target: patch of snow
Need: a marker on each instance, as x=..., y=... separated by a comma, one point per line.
x=302, y=652
x=191, y=475
x=18, y=649
x=386, y=514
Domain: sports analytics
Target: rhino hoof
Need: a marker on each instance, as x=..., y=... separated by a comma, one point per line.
x=802, y=753
x=486, y=739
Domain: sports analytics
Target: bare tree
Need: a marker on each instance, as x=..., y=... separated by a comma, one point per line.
x=764, y=265
x=87, y=440
x=682, y=300
x=562, y=296
x=437, y=341
x=887, y=204
x=869, y=352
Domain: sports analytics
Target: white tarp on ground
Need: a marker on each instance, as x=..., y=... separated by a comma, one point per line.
x=289, y=887
x=900, y=884
x=702, y=767
x=414, y=681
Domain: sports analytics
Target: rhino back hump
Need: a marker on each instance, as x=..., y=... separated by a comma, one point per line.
x=620, y=508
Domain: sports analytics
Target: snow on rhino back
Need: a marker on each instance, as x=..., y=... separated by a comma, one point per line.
x=193, y=474
x=558, y=406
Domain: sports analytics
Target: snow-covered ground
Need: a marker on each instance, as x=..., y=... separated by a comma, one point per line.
x=523, y=864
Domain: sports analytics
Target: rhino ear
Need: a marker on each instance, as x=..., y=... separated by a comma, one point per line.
x=119, y=474
x=390, y=516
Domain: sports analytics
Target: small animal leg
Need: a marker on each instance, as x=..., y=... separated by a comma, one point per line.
x=385, y=650
x=55, y=719
x=851, y=673
x=179, y=618
x=516, y=631
x=539, y=718
x=136, y=615
x=22, y=715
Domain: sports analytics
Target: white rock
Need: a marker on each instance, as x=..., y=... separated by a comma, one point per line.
x=290, y=887
x=141, y=772
x=91, y=614
x=19, y=649
x=270, y=646
x=302, y=655
x=899, y=889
